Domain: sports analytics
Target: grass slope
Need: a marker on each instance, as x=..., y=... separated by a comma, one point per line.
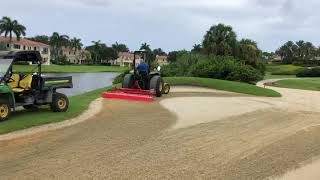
x=23, y=119
x=276, y=69
x=271, y=76
x=306, y=84
x=69, y=68
x=223, y=85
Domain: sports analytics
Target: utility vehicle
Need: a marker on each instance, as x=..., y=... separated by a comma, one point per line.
x=29, y=90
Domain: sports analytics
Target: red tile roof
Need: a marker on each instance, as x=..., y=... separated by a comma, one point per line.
x=23, y=41
x=126, y=54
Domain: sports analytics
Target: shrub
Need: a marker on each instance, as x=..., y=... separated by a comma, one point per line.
x=169, y=70
x=120, y=77
x=226, y=68
x=245, y=74
x=309, y=72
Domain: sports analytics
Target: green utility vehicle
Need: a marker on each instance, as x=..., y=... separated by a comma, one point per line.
x=29, y=90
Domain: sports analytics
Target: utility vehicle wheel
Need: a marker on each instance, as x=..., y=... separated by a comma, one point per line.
x=5, y=110
x=60, y=103
x=30, y=107
x=166, y=88
x=128, y=81
x=156, y=83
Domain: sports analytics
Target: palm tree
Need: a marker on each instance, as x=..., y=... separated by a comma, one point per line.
x=75, y=44
x=301, y=49
x=10, y=27
x=196, y=48
x=249, y=52
x=41, y=38
x=120, y=47
x=145, y=46
x=96, y=48
x=220, y=40
x=57, y=41
x=287, y=52
x=159, y=52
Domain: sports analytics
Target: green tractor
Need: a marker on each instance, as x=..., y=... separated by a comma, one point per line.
x=29, y=90
x=150, y=80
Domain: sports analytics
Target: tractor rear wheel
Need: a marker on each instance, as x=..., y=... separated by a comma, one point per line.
x=156, y=83
x=128, y=81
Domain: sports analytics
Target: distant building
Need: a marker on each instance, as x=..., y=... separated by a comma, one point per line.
x=26, y=44
x=125, y=59
x=75, y=57
x=162, y=60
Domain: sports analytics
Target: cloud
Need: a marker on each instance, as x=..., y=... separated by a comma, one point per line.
x=168, y=24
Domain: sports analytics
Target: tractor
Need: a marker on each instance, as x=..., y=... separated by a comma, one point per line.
x=29, y=90
x=145, y=80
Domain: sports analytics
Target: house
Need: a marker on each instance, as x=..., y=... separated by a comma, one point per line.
x=162, y=60
x=75, y=56
x=125, y=59
x=26, y=44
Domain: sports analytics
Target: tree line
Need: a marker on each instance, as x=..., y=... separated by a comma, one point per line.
x=221, y=56
x=300, y=52
x=99, y=51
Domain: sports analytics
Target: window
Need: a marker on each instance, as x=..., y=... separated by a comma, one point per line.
x=8, y=45
x=35, y=48
x=24, y=47
x=16, y=46
x=29, y=48
x=45, y=51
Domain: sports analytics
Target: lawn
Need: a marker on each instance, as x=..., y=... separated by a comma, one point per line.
x=276, y=69
x=306, y=84
x=223, y=85
x=23, y=119
x=271, y=76
x=69, y=68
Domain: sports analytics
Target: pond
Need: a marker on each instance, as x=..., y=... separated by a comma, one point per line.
x=85, y=82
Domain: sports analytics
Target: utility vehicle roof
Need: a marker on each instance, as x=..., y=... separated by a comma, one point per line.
x=28, y=56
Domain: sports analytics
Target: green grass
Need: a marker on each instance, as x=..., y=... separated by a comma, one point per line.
x=271, y=76
x=23, y=119
x=69, y=68
x=276, y=69
x=223, y=85
x=306, y=84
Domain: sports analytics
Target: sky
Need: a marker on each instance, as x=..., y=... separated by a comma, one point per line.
x=168, y=24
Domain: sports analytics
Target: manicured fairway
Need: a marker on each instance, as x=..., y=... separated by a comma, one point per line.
x=306, y=84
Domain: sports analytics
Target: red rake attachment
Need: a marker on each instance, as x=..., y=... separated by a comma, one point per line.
x=130, y=94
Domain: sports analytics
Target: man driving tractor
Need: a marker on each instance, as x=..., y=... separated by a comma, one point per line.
x=143, y=70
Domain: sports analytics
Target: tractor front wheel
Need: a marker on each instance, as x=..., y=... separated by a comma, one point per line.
x=156, y=83
x=166, y=88
x=60, y=103
x=5, y=110
x=128, y=81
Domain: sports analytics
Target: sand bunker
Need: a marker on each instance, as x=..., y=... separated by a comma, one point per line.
x=309, y=172
x=220, y=104
x=196, y=110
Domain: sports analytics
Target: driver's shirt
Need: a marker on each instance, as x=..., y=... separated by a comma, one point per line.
x=143, y=67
